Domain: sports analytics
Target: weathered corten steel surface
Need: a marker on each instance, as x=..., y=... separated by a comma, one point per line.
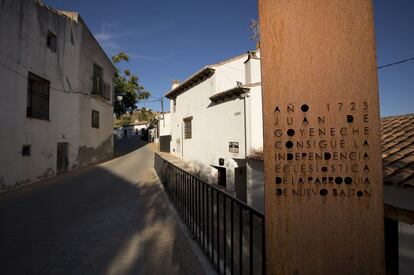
x=323, y=173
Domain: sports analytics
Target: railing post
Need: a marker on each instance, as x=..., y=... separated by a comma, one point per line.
x=241, y=241
x=198, y=203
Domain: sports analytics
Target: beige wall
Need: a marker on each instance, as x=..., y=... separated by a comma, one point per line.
x=23, y=28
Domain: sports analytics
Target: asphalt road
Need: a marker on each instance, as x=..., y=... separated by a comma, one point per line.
x=112, y=218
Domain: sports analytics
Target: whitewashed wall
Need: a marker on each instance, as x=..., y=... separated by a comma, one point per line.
x=120, y=132
x=23, y=28
x=165, y=124
x=215, y=125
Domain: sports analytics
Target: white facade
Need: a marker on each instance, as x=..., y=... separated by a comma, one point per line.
x=58, y=47
x=164, y=124
x=129, y=130
x=232, y=115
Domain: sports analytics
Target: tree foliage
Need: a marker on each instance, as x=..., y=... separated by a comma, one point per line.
x=139, y=115
x=145, y=114
x=255, y=30
x=128, y=91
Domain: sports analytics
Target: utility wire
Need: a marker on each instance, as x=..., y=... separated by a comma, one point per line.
x=396, y=63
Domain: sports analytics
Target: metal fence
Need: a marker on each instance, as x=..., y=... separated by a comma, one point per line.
x=101, y=88
x=230, y=232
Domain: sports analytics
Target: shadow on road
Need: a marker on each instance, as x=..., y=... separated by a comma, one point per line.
x=96, y=222
x=126, y=145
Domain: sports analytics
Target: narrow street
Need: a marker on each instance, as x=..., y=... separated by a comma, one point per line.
x=111, y=218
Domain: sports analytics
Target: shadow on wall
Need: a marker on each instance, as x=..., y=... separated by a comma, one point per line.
x=406, y=244
x=207, y=173
x=90, y=222
x=89, y=155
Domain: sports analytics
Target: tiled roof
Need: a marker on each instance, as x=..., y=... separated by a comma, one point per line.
x=397, y=150
x=202, y=74
x=256, y=155
x=236, y=91
x=190, y=82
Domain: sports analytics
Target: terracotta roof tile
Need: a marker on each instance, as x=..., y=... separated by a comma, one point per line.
x=398, y=150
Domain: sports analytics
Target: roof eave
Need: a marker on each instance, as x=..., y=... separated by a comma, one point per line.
x=194, y=80
x=236, y=91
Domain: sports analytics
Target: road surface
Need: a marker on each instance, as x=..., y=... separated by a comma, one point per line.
x=112, y=218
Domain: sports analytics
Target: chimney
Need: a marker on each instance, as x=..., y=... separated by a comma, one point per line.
x=175, y=84
x=252, y=68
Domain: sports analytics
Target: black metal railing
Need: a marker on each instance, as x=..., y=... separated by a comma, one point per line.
x=101, y=88
x=230, y=232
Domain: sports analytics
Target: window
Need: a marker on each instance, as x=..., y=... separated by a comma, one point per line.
x=51, y=41
x=37, y=97
x=26, y=150
x=174, y=104
x=97, y=79
x=187, y=127
x=95, y=119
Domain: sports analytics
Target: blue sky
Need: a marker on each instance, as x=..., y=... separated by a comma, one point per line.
x=172, y=39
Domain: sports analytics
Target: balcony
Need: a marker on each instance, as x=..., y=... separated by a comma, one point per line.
x=101, y=88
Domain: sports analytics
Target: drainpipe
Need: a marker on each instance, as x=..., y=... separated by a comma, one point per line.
x=245, y=96
x=182, y=140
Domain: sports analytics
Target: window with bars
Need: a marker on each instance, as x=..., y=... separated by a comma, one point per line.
x=187, y=127
x=37, y=97
x=95, y=119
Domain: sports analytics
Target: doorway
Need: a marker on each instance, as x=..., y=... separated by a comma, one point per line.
x=62, y=157
x=240, y=183
x=165, y=143
x=221, y=176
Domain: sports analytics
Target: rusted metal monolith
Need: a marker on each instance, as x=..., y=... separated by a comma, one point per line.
x=323, y=172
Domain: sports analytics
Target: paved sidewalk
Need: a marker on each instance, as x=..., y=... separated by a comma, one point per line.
x=112, y=218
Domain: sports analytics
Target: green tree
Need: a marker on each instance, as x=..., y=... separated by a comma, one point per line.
x=128, y=91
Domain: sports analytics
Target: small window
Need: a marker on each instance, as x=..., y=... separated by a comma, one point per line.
x=26, y=150
x=174, y=104
x=37, y=97
x=95, y=119
x=187, y=127
x=51, y=41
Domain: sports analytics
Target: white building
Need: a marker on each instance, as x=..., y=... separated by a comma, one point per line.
x=134, y=129
x=164, y=124
x=56, y=94
x=164, y=132
x=216, y=119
